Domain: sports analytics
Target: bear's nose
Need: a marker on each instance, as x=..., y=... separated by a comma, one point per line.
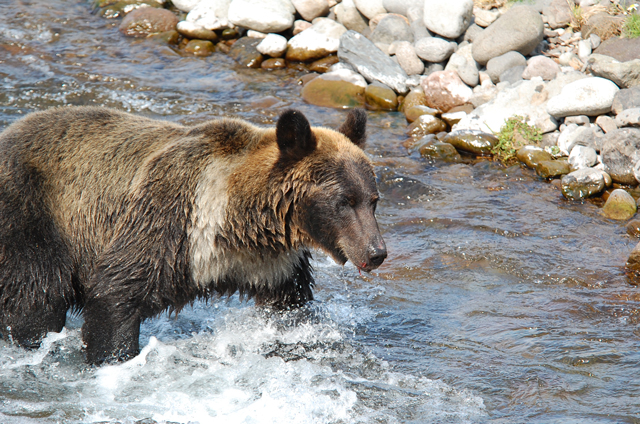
x=377, y=255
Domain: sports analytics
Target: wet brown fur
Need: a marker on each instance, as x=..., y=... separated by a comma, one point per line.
x=96, y=209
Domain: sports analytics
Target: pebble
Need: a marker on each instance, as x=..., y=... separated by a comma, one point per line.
x=349, y=16
x=408, y=59
x=323, y=65
x=299, y=25
x=476, y=142
x=322, y=39
x=578, y=120
x=606, y=123
x=588, y=96
x=193, y=30
x=532, y=156
x=464, y=65
x=439, y=150
x=414, y=112
x=402, y=7
x=378, y=96
x=497, y=65
x=273, y=45
x=147, y=20
x=245, y=53
x=371, y=62
x=444, y=90
x=541, y=66
x=434, y=49
x=582, y=157
x=619, y=206
x=449, y=19
x=584, y=49
x=311, y=9
x=483, y=17
x=628, y=118
x=274, y=63
x=200, y=48
x=426, y=124
x=392, y=28
x=519, y=29
x=262, y=15
x=583, y=183
x=185, y=5
x=552, y=168
x=370, y=8
x=633, y=228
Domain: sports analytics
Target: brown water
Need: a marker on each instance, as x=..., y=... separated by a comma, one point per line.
x=500, y=301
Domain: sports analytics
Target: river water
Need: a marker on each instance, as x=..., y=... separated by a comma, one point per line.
x=499, y=302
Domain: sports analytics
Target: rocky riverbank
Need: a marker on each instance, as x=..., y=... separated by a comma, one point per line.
x=459, y=71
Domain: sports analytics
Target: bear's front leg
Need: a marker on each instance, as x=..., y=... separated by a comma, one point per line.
x=111, y=329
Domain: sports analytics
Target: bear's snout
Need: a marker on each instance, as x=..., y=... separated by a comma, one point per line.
x=377, y=254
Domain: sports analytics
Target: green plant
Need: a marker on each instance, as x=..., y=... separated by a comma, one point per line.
x=515, y=133
x=631, y=26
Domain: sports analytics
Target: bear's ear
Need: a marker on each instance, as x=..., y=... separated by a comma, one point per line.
x=355, y=127
x=294, y=136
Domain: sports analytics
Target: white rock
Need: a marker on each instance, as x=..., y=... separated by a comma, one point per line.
x=300, y=25
x=448, y=18
x=273, y=45
x=582, y=157
x=256, y=34
x=185, y=5
x=484, y=18
x=262, y=15
x=323, y=37
x=311, y=9
x=584, y=49
x=210, y=14
x=525, y=98
x=370, y=8
x=588, y=96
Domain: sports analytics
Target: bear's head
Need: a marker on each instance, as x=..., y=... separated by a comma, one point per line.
x=337, y=193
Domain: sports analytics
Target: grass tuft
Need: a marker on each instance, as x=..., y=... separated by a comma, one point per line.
x=515, y=133
x=631, y=26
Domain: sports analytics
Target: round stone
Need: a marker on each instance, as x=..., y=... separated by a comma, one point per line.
x=552, y=168
x=619, y=206
x=532, y=156
x=476, y=142
x=148, y=20
x=200, y=47
x=380, y=97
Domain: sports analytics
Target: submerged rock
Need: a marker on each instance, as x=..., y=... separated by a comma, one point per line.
x=414, y=112
x=424, y=125
x=380, y=97
x=552, y=168
x=436, y=149
x=532, y=156
x=582, y=183
x=244, y=51
x=337, y=89
x=620, y=206
x=148, y=20
x=476, y=142
x=200, y=48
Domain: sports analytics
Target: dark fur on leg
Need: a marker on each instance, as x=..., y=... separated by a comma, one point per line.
x=296, y=292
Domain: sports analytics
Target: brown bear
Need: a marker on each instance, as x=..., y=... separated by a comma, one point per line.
x=123, y=217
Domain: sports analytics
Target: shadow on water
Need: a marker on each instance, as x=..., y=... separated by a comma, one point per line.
x=499, y=302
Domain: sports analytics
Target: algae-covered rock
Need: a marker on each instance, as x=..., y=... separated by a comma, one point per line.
x=532, y=156
x=472, y=141
x=620, y=206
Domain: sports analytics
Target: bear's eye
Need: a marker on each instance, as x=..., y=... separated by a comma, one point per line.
x=352, y=201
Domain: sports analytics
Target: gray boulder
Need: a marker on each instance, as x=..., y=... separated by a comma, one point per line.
x=499, y=64
x=371, y=62
x=588, y=96
x=434, y=49
x=392, y=28
x=624, y=74
x=627, y=98
x=519, y=29
x=582, y=183
x=620, y=153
